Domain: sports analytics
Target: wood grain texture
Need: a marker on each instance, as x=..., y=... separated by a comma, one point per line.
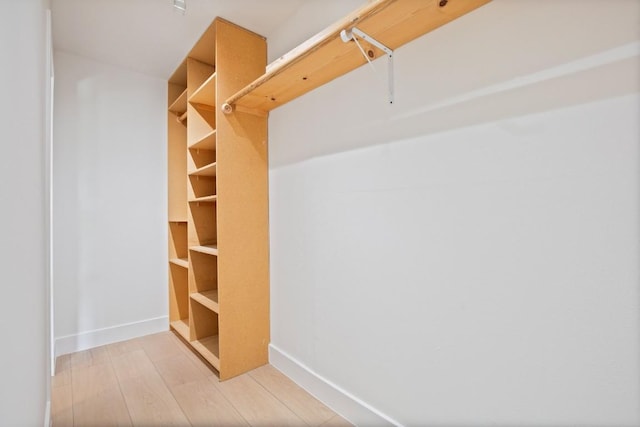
x=132, y=365
x=205, y=405
x=160, y=346
x=122, y=347
x=243, y=210
x=180, y=369
x=130, y=388
x=325, y=56
x=90, y=357
x=97, y=397
x=62, y=406
x=256, y=404
x=151, y=403
x=308, y=408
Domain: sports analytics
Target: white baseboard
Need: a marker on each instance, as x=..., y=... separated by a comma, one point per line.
x=47, y=414
x=98, y=337
x=341, y=401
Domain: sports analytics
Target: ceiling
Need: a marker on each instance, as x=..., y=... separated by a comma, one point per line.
x=150, y=36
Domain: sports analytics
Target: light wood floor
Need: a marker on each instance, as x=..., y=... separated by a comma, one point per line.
x=157, y=381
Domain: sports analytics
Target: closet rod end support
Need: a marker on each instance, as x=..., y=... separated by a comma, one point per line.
x=227, y=108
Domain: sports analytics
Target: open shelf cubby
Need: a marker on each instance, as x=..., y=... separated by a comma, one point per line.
x=200, y=158
x=203, y=230
x=201, y=186
x=178, y=296
x=179, y=106
x=203, y=330
x=206, y=142
x=203, y=286
x=205, y=95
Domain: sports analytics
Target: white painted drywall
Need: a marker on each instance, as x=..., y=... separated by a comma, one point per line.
x=23, y=305
x=470, y=256
x=110, y=219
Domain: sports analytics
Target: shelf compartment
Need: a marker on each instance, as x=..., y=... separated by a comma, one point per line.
x=209, y=299
x=203, y=228
x=179, y=106
x=205, y=249
x=201, y=186
x=205, y=95
x=209, y=349
x=204, y=333
x=325, y=56
x=208, y=170
x=204, y=276
x=181, y=262
x=178, y=240
x=206, y=199
x=199, y=158
x=181, y=327
x=207, y=142
x=178, y=293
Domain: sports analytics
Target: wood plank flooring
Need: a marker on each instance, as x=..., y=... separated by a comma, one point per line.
x=157, y=381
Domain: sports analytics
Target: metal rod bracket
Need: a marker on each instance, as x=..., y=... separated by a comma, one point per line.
x=353, y=34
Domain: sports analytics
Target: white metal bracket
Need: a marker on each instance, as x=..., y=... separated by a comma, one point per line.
x=353, y=34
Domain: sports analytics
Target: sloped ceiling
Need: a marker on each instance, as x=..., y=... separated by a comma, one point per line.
x=150, y=36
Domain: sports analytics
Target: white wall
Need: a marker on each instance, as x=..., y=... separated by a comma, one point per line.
x=23, y=305
x=470, y=255
x=110, y=219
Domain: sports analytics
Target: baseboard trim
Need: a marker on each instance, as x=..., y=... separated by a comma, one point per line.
x=98, y=337
x=47, y=414
x=341, y=401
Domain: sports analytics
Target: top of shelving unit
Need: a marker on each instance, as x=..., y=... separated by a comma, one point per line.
x=325, y=56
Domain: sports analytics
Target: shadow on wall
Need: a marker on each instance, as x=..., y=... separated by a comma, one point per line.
x=503, y=60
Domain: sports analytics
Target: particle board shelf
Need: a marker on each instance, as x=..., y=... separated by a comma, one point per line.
x=181, y=327
x=209, y=349
x=179, y=106
x=206, y=199
x=182, y=262
x=208, y=170
x=205, y=249
x=325, y=56
x=208, y=299
x=207, y=142
x=205, y=95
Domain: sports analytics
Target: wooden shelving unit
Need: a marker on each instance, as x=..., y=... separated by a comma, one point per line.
x=325, y=56
x=218, y=171
x=218, y=255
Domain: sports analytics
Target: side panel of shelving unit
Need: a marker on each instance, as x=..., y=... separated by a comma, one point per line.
x=242, y=175
x=177, y=203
